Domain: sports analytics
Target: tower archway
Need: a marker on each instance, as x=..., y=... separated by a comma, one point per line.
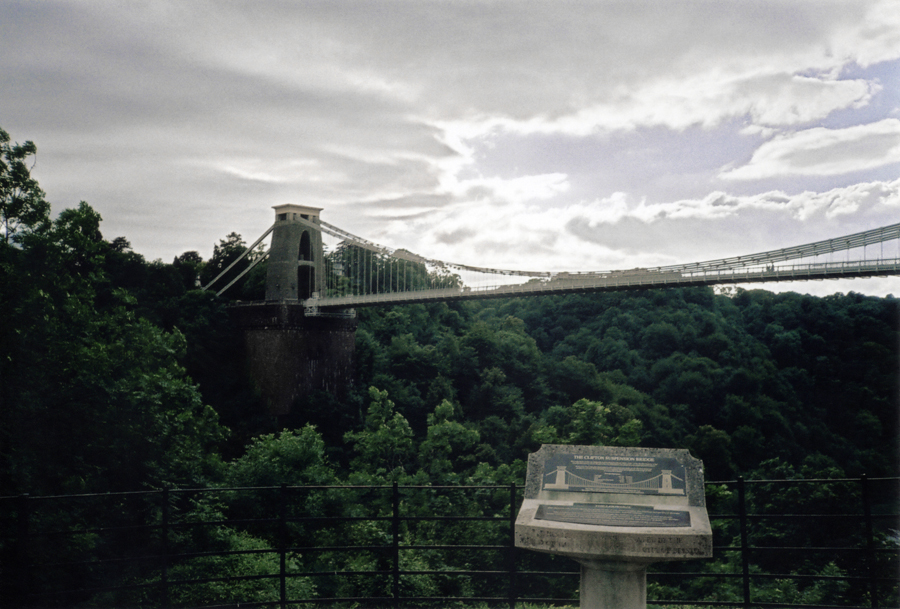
x=306, y=268
x=305, y=252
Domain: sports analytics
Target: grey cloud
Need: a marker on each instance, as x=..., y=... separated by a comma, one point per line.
x=777, y=198
x=419, y=201
x=823, y=152
x=873, y=147
x=454, y=237
x=694, y=239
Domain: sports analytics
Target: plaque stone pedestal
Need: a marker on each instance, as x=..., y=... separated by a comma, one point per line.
x=615, y=511
x=611, y=585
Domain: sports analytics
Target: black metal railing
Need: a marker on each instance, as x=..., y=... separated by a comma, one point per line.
x=777, y=543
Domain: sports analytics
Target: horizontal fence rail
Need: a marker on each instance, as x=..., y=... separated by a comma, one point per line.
x=777, y=543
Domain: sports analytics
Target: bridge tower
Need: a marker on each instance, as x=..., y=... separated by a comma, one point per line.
x=291, y=349
x=296, y=256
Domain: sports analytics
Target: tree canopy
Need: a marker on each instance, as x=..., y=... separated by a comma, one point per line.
x=22, y=203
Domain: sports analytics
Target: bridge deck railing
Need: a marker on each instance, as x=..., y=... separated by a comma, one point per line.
x=589, y=282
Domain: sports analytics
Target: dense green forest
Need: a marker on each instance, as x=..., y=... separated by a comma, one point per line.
x=118, y=373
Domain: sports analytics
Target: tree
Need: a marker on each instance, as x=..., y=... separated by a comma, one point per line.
x=93, y=395
x=225, y=253
x=592, y=423
x=385, y=444
x=291, y=457
x=448, y=445
x=22, y=204
x=189, y=266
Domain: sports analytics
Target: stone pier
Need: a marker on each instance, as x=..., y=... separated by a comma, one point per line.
x=289, y=353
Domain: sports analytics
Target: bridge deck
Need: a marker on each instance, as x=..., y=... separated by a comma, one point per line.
x=588, y=282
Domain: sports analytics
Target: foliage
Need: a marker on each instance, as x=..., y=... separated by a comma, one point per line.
x=448, y=446
x=228, y=252
x=251, y=564
x=22, y=205
x=587, y=422
x=291, y=457
x=94, y=396
x=384, y=445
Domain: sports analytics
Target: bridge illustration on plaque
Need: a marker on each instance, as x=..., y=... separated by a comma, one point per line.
x=564, y=480
x=622, y=475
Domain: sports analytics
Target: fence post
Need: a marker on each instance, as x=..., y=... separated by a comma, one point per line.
x=23, y=564
x=395, y=530
x=870, y=540
x=164, y=534
x=745, y=558
x=282, y=544
x=513, y=591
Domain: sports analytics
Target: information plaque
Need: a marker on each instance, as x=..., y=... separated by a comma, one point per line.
x=604, y=502
x=615, y=510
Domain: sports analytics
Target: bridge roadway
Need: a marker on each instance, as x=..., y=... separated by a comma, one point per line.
x=617, y=280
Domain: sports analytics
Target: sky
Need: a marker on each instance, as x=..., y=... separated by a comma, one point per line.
x=547, y=136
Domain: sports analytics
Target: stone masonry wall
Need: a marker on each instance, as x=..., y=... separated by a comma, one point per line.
x=289, y=354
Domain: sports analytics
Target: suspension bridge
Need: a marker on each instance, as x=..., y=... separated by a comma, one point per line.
x=355, y=272
x=301, y=337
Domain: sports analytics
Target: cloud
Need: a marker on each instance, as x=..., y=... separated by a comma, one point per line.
x=455, y=237
x=872, y=196
x=522, y=188
x=872, y=39
x=782, y=67
x=820, y=152
x=619, y=232
x=274, y=172
x=790, y=99
x=706, y=99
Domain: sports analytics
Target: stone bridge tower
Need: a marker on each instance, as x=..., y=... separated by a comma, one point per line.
x=296, y=256
x=291, y=349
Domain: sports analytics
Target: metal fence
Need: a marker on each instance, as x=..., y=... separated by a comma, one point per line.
x=777, y=543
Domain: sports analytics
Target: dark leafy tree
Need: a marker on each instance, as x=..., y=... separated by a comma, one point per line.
x=22, y=203
x=96, y=397
x=251, y=286
x=189, y=266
